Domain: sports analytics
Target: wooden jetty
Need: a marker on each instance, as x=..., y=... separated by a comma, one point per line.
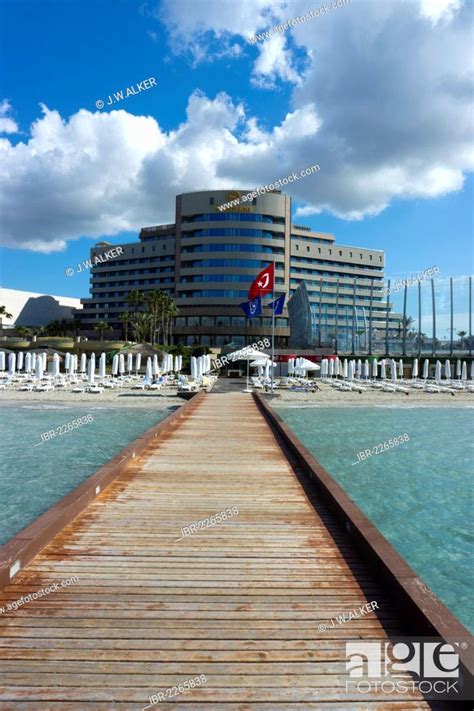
x=251, y=603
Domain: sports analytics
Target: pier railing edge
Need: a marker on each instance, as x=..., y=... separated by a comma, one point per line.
x=22, y=548
x=420, y=605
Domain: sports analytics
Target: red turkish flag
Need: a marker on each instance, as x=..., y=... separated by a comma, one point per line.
x=263, y=284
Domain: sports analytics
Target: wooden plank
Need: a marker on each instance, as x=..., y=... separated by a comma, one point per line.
x=240, y=601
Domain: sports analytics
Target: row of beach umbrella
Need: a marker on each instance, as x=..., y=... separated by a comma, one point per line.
x=121, y=364
x=350, y=369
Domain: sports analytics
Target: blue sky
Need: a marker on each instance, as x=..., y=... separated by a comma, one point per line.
x=391, y=131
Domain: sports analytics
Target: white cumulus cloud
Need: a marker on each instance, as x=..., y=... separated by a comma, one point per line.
x=378, y=108
x=7, y=124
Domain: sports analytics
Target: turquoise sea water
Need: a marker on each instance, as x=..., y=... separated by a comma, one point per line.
x=33, y=478
x=419, y=494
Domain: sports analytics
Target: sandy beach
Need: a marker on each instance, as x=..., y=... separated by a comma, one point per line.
x=123, y=397
x=329, y=396
x=326, y=396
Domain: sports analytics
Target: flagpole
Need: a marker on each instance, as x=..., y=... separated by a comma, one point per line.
x=273, y=323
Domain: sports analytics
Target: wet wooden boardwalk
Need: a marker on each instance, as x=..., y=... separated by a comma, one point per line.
x=247, y=603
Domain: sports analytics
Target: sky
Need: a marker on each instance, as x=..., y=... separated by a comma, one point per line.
x=377, y=93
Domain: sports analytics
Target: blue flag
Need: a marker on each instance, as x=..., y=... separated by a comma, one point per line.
x=253, y=307
x=278, y=305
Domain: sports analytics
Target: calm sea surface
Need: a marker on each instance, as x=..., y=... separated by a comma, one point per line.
x=33, y=478
x=419, y=494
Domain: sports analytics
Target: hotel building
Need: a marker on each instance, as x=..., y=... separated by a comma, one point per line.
x=207, y=259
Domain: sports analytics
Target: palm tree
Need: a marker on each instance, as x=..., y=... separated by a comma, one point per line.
x=102, y=327
x=23, y=331
x=171, y=313
x=154, y=301
x=4, y=312
x=61, y=328
x=141, y=324
x=125, y=317
x=135, y=298
x=462, y=335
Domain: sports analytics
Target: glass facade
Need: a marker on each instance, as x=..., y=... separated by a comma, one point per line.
x=234, y=217
x=242, y=263
x=232, y=232
x=232, y=247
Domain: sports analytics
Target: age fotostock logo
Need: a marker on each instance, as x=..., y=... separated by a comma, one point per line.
x=402, y=667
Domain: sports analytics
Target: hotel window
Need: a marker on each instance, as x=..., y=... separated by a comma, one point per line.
x=223, y=321
x=297, y=246
x=340, y=252
x=319, y=250
x=361, y=255
x=350, y=254
x=307, y=249
x=370, y=257
x=211, y=201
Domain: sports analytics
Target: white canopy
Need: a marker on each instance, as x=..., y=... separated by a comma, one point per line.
x=305, y=365
x=261, y=362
